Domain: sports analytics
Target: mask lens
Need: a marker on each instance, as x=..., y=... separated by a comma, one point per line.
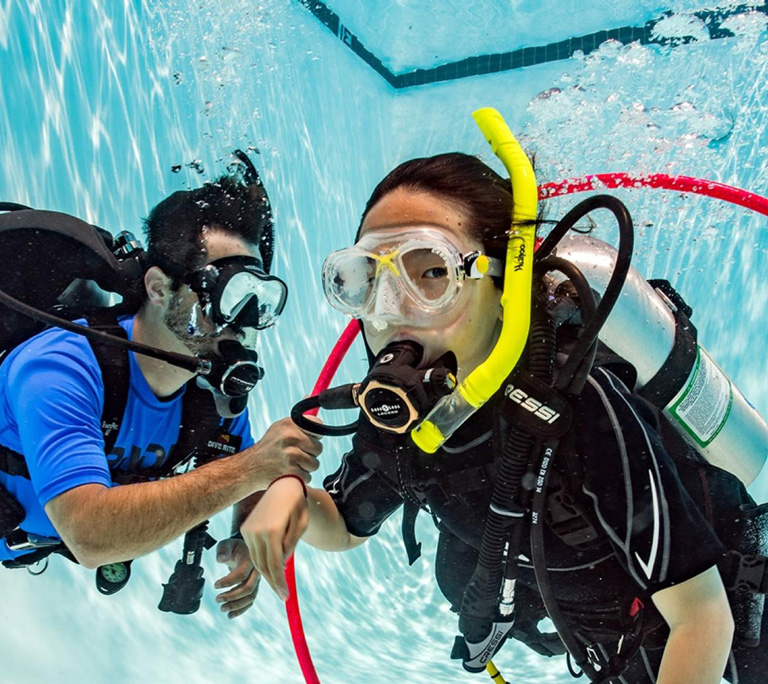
x=348, y=280
x=237, y=299
x=429, y=273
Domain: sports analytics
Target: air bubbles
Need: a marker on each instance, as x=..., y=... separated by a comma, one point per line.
x=748, y=25
x=547, y=94
x=230, y=54
x=611, y=48
x=196, y=165
x=678, y=27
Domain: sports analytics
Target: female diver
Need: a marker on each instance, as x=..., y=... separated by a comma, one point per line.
x=631, y=559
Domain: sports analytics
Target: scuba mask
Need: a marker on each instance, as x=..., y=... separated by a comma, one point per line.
x=407, y=278
x=237, y=292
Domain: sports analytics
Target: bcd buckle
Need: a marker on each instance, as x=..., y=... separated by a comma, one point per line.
x=19, y=540
x=746, y=573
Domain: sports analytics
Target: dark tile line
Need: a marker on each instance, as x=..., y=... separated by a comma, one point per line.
x=523, y=57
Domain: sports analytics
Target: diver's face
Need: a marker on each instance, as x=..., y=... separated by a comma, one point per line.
x=469, y=328
x=184, y=316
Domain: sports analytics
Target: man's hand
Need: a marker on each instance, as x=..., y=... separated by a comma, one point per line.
x=273, y=529
x=242, y=578
x=285, y=449
x=102, y=525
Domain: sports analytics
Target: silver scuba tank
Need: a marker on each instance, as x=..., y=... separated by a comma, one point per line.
x=647, y=329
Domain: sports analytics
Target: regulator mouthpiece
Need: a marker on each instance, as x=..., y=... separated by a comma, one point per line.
x=232, y=377
x=395, y=395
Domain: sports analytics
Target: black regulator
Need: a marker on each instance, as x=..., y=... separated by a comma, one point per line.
x=395, y=396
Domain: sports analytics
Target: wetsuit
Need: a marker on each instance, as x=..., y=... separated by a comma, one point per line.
x=640, y=528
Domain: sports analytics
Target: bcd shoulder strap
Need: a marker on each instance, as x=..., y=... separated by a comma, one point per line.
x=113, y=362
x=203, y=436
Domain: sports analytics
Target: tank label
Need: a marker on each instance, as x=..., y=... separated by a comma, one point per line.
x=703, y=405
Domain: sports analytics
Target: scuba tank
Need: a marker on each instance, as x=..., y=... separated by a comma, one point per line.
x=649, y=327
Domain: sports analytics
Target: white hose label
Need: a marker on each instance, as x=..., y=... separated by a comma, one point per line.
x=703, y=405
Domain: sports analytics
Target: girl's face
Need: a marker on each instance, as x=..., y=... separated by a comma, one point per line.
x=470, y=328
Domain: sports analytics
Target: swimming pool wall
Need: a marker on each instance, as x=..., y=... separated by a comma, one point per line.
x=100, y=102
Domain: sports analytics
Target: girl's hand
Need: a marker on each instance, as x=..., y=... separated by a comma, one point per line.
x=273, y=528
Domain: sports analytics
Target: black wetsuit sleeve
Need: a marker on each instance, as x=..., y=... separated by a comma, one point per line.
x=659, y=535
x=363, y=494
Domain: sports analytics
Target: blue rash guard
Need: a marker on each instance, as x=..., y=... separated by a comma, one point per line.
x=51, y=400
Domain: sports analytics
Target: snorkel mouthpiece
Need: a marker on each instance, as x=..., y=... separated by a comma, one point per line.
x=480, y=385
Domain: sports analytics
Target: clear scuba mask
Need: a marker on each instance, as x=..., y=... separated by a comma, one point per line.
x=407, y=278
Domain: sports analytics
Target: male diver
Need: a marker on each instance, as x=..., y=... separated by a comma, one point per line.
x=206, y=291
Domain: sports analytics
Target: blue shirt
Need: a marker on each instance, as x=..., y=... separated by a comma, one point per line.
x=51, y=400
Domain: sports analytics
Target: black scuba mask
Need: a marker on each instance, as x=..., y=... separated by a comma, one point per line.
x=236, y=291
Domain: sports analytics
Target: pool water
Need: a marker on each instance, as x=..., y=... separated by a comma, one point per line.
x=108, y=107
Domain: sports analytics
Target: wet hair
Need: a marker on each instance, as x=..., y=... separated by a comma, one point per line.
x=466, y=182
x=175, y=227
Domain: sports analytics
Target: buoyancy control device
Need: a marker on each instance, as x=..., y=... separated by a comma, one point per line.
x=60, y=269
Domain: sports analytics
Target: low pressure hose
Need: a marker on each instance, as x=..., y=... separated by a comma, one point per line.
x=573, y=381
x=507, y=509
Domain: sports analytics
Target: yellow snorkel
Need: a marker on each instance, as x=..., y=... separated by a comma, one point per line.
x=481, y=384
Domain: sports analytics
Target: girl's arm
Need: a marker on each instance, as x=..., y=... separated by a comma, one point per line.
x=275, y=525
x=701, y=630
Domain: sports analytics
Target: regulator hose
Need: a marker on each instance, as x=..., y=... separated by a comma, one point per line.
x=510, y=502
x=506, y=512
x=616, y=282
x=574, y=382
x=341, y=397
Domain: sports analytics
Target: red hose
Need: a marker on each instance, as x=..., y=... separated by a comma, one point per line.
x=292, y=604
x=598, y=181
x=697, y=186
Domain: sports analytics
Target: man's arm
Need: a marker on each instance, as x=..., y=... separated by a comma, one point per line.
x=103, y=525
x=701, y=630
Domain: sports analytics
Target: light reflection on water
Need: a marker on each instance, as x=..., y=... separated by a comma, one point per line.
x=100, y=102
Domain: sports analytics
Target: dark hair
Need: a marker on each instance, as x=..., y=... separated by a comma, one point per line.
x=464, y=180
x=174, y=228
